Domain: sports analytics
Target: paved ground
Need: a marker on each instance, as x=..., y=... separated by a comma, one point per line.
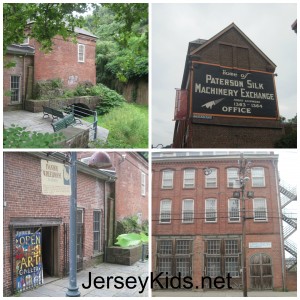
x=59, y=287
x=220, y=293
x=36, y=122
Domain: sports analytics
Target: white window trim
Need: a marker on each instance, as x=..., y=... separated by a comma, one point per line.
x=216, y=177
x=143, y=184
x=78, y=52
x=184, y=183
x=264, y=177
x=182, y=217
x=216, y=212
x=231, y=184
x=26, y=41
x=235, y=221
x=20, y=91
x=160, y=211
x=260, y=220
x=162, y=183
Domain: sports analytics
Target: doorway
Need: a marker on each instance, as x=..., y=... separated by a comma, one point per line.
x=261, y=276
x=50, y=251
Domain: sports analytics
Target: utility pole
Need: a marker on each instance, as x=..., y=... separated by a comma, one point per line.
x=73, y=290
x=244, y=168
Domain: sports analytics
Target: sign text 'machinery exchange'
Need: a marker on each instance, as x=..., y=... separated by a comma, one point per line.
x=222, y=91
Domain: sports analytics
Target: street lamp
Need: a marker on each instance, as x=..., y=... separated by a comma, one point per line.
x=244, y=169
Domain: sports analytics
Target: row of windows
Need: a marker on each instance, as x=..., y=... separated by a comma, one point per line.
x=220, y=257
x=211, y=180
x=211, y=213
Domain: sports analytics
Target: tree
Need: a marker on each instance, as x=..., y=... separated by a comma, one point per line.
x=289, y=140
x=122, y=48
x=46, y=21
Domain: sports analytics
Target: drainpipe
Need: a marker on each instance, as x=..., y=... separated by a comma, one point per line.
x=280, y=226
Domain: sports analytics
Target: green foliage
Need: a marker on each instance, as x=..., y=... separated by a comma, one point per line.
x=48, y=88
x=122, y=47
x=108, y=99
x=83, y=88
x=129, y=224
x=47, y=20
x=18, y=137
x=127, y=125
x=289, y=140
x=131, y=239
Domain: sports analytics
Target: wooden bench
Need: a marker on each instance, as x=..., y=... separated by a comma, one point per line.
x=56, y=114
x=64, y=122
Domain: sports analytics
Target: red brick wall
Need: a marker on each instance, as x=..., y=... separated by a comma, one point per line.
x=23, y=198
x=256, y=231
x=62, y=61
x=129, y=199
x=22, y=63
x=291, y=281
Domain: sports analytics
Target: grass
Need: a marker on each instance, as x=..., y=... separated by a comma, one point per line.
x=127, y=125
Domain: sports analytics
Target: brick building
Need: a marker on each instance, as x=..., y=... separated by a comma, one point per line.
x=69, y=61
x=197, y=221
x=36, y=225
x=227, y=97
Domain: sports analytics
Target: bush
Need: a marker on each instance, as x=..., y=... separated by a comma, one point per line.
x=83, y=88
x=108, y=98
x=18, y=137
x=49, y=88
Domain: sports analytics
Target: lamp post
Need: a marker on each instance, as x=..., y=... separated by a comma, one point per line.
x=73, y=290
x=244, y=169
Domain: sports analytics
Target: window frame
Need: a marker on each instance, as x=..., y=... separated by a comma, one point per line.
x=256, y=177
x=98, y=232
x=231, y=183
x=81, y=52
x=183, y=211
x=239, y=210
x=19, y=88
x=210, y=176
x=216, y=210
x=167, y=187
x=255, y=219
x=143, y=184
x=160, y=211
x=190, y=186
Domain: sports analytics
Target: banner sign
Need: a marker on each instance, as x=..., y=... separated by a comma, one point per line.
x=180, y=105
x=223, y=91
x=55, y=178
x=29, y=268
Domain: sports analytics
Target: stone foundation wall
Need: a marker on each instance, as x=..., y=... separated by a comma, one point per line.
x=37, y=105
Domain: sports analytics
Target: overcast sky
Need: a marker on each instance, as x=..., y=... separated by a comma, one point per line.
x=175, y=25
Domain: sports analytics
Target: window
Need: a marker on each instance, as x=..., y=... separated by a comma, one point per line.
x=222, y=257
x=189, y=178
x=234, y=210
x=15, y=89
x=165, y=211
x=260, y=209
x=81, y=53
x=211, y=179
x=174, y=257
x=188, y=211
x=258, y=177
x=211, y=210
x=143, y=183
x=165, y=251
x=97, y=231
x=233, y=178
x=79, y=232
x=167, y=179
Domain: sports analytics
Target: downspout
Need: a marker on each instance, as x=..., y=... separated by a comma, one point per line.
x=280, y=226
x=24, y=82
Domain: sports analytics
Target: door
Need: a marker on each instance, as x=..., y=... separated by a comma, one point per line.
x=15, y=89
x=261, y=277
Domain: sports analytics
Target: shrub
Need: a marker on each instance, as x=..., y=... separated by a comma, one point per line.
x=83, y=88
x=18, y=137
x=108, y=98
x=49, y=88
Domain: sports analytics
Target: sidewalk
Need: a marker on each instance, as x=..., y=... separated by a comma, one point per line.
x=220, y=293
x=59, y=287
